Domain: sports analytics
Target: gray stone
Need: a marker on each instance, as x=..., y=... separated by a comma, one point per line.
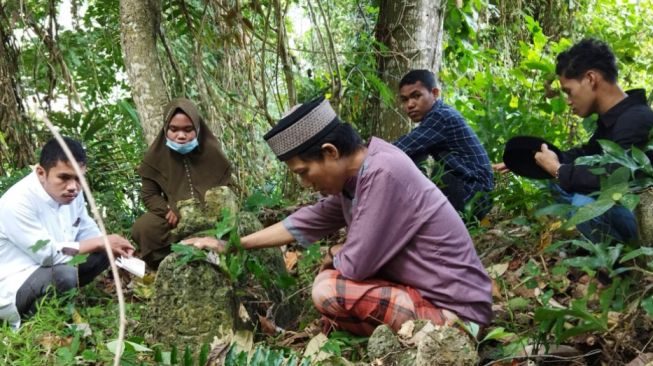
x=421, y=343
x=190, y=304
x=384, y=345
x=195, y=218
x=194, y=302
x=446, y=346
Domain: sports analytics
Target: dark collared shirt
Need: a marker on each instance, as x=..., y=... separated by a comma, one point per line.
x=628, y=124
x=444, y=134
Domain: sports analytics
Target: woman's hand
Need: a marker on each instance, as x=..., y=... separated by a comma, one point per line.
x=172, y=218
x=206, y=242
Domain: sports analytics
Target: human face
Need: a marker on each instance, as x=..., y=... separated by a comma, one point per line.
x=181, y=129
x=326, y=176
x=417, y=100
x=60, y=182
x=581, y=96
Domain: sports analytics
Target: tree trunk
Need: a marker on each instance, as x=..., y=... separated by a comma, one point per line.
x=412, y=32
x=16, y=143
x=139, y=24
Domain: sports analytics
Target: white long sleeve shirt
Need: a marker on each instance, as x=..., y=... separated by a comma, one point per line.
x=29, y=218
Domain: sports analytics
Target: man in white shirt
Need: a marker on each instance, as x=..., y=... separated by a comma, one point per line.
x=43, y=224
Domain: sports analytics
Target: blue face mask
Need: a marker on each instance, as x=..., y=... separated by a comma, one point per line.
x=182, y=148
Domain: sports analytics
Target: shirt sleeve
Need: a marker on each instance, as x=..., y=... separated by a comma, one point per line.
x=309, y=224
x=418, y=142
x=23, y=229
x=579, y=178
x=152, y=198
x=384, y=222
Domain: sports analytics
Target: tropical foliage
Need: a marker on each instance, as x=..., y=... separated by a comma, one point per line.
x=245, y=62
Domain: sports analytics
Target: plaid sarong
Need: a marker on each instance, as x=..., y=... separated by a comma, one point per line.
x=359, y=307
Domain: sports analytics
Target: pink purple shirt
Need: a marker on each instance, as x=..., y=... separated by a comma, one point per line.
x=400, y=228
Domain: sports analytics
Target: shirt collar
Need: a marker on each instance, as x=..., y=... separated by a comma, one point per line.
x=635, y=97
x=40, y=192
x=349, y=189
x=438, y=102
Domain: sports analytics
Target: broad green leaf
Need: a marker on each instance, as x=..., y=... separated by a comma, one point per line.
x=629, y=201
x=558, y=209
x=40, y=244
x=588, y=212
x=612, y=148
x=112, y=346
x=647, y=251
x=619, y=176
x=78, y=259
x=497, y=333
x=640, y=157
x=647, y=305
x=558, y=105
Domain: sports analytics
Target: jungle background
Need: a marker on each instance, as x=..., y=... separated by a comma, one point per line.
x=101, y=71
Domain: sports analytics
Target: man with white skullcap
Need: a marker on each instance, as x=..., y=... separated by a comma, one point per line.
x=407, y=254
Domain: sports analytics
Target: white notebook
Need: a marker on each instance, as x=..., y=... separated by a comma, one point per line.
x=133, y=265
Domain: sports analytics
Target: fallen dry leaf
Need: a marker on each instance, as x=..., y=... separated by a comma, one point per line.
x=290, y=258
x=498, y=270
x=644, y=359
x=496, y=290
x=267, y=325
x=50, y=341
x=243, y=314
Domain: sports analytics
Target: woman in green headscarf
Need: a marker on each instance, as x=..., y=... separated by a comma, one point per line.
x=183, y=162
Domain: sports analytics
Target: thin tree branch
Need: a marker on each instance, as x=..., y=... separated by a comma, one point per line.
x=107, y=246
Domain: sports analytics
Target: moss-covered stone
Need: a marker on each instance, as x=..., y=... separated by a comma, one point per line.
x=195, y=218
x=190, y=304
x=194, y=302
x=421, y=343
x=446, y=346
x=384, y=345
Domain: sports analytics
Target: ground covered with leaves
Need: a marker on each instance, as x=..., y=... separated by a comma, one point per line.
x=557, y=299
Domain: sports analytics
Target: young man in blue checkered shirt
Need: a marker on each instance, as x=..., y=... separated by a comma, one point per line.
x=466, y=175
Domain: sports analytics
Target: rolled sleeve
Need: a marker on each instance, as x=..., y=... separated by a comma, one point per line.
x=310, y=224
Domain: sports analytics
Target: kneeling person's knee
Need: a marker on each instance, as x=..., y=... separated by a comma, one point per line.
x=324, y=292
x=65, y=277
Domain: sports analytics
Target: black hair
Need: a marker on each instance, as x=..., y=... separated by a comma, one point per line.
x=343, y=137
x=52, y=153
x=426, y=77
x=586, y=55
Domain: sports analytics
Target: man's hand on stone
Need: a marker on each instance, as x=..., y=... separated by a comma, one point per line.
x=206, y=242
x=547, y=160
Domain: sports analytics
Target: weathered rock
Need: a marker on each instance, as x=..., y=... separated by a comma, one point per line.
x=248, y=223
x=384, y=345
x=195, y=218
x=446, y=346
x=194, y=302
x=190, y=304
x=421, y=343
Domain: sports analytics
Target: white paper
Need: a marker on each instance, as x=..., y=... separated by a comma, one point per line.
x=133, y=265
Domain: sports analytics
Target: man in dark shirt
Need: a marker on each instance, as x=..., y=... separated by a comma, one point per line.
x=443, y=133
x=588, y=76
